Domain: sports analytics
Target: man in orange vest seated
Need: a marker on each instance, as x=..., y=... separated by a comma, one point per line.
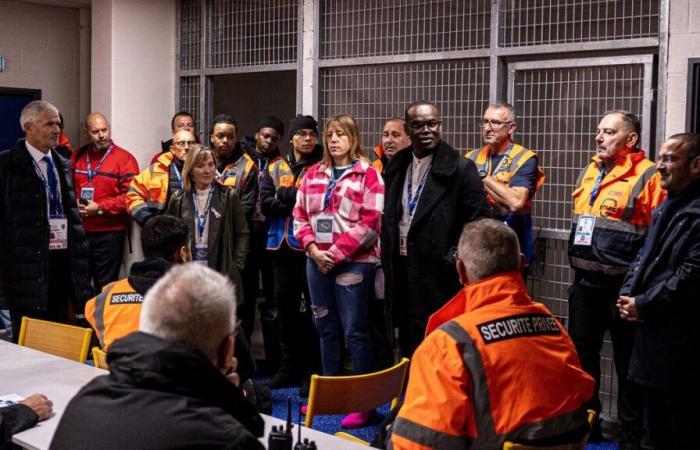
x=114, y=313
x=510, y=172
x=494, y=365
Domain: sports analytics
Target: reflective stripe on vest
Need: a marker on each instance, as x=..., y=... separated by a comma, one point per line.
x=487, y=438
x=281, y=228
x=428, y=437
x=240, y=175
x=100, y=311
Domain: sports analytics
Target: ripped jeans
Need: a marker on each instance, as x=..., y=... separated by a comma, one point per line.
x=340, y=302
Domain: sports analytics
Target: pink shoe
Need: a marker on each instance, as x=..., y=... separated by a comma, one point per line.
x=303, y=409
x=357, y=420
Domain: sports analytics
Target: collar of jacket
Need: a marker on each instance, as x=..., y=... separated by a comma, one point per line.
x=76, y=155
x=310, y=159
x=149, y=362
x=144, y=274
x=504, y=287
x=166, y=158
x=21, y=157
x=445, y=161
x=626, y=163
x=358, y=166
x=232, y=158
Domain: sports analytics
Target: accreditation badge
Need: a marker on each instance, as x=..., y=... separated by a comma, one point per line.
x=58, y=233
x=200, y=253
x=324, y=229
x=88, y=193
x=403, y=238
x=584, y=230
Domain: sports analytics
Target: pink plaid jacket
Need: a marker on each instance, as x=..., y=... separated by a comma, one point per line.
x=356, y=205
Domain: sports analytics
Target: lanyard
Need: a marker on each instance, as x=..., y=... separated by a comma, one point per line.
x=202, y=218
x=90, y=173
x=498, y=168
x=332, y=183
x=53, y=196
x=413, y=199
x=230, y=171
x=177, y=173
x=596, y=186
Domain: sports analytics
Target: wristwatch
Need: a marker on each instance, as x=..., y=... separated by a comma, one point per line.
x=482, y=174
x=100, y=212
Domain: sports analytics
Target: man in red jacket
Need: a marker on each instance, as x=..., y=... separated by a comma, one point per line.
x=102, y=172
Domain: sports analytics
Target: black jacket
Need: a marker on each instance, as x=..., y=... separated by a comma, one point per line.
x=453, y=195
x=158, y=395
x=24, y=233
x=664, y=281
x=15, y=419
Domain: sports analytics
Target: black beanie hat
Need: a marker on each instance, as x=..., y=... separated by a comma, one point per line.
x=271, y=122
x=302, y=122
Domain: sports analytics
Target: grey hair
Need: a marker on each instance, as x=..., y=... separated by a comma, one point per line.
x=488, y=247
x=504, y=105
x=30, y=113
x=191, y=304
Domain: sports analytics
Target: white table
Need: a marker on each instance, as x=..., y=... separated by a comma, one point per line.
x=25, y=371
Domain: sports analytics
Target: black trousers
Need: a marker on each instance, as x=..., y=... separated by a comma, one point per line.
x=257, y=262
x=592, y=311
x=60, y=289
x=379, y=328
x=106, y=250
x=410, y=313
x=673, y=414
x=299, y=341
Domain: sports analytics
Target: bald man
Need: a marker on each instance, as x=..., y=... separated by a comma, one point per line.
x=102, y=173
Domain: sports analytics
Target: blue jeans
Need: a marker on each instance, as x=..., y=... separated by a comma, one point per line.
x=340, y=303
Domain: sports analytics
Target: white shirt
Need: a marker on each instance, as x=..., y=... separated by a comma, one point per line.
x=38, y=156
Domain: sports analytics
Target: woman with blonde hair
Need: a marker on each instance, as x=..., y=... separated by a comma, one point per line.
x=337, y=220
x=214, y=215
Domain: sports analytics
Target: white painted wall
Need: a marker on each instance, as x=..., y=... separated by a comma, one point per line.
x=684, y=43
x=41, y=45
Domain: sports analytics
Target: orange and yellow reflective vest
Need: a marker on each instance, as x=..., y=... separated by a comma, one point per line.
x=150, y=190
x=281, y=229
x=115, y=312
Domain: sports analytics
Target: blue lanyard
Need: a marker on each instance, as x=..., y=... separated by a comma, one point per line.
x=177, y=173
x=413, y=199
x=90, y=173
x=331, y=186
x=202, y=218
x=53, y=196
x=230, y=171
x=500, y=163
x=596, y=186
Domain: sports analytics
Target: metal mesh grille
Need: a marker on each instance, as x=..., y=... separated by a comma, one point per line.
x=251, y=32
x=189, y=98
x=539, y=22
x=559, y=110
x=373, y=94
x=355, y=28
x=190, y=34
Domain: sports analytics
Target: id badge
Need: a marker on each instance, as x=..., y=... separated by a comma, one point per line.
x=324, y=230
x=584, y=230
x=58, y=233
x=88, y=193
x=200, y=253
x=403, y=238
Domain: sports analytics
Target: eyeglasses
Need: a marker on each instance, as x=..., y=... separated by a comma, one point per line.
x=494, y=124
x=184, y=144
x=306, y=134
x=432, y=125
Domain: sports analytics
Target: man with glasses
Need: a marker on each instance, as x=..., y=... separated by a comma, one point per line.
x=151, y=189
x=430, y=194
x=612, y=208
x=510, y=173
x=660, y=297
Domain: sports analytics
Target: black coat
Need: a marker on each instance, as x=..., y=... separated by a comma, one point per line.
x=24, y=233
x=158, y=395
x=664, y=281
x=453, y=195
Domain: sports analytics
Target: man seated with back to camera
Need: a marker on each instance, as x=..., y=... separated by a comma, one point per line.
x=173, y=384
x=495, y=365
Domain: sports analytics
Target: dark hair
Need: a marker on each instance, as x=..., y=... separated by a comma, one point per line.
x=419, y=103
x=223, y=118
x=690, y=143
x=163, y=235
x=631, y=120
x=178, y=114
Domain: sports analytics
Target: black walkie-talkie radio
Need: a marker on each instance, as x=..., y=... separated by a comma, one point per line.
x=281, y=438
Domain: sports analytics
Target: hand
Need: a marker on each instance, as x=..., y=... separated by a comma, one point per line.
x=42, y=406
x=88, y=210
x=231, y=374
x=322, y=258
x=626, y=307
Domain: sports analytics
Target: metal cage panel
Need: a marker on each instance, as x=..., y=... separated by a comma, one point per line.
x=360, y=28
x=251, y=32
x=190, y=34
x=373, y=94
x=542, y=22
x=190, y=94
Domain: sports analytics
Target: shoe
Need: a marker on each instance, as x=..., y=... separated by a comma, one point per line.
x=304, y=388
x=357, y=420
x=282, y=378
x=303, y=409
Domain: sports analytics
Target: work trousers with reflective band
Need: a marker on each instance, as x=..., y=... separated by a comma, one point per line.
x=340, y=303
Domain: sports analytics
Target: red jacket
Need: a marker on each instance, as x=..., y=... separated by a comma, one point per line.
x=111, y=182
x=494, y=366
